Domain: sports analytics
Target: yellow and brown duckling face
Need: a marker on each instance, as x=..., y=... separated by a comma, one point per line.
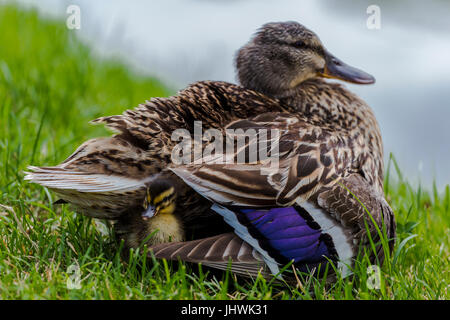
x=284, y=54
x=160, y=198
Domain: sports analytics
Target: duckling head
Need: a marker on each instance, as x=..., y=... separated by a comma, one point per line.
x=160, y=198
x=282, y=55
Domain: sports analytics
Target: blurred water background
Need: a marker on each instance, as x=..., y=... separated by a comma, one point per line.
x=183, y=41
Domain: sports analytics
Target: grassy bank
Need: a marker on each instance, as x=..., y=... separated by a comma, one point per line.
x=50, y=88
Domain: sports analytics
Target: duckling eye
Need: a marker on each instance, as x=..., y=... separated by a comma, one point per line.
x=167, y=200
x=162, y=204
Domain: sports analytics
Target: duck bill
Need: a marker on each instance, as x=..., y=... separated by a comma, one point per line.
x=336, y=69
x=149, y=213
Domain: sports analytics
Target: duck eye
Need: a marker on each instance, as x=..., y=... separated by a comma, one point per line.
x=299, y=44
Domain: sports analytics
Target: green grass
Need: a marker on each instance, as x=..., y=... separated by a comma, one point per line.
x=50, y=87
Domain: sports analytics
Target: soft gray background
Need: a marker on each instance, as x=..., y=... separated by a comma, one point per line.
x=183, y=41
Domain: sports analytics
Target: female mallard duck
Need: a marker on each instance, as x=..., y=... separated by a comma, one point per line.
x=281, y=70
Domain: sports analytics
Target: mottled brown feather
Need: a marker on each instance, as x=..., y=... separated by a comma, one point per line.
x=224, y=251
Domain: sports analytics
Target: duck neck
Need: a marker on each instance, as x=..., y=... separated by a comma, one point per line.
x=327, y=105
x=331, y=106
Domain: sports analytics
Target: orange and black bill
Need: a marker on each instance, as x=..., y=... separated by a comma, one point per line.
x=336, y=69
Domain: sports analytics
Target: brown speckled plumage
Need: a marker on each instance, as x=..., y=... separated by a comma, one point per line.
x=330, y=136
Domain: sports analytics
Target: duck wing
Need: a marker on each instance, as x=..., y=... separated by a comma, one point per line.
x=307, y=209
x=286, y=159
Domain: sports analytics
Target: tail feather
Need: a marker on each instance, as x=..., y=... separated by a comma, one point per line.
x=97, y=195
x=103, y=177
x=60, y=179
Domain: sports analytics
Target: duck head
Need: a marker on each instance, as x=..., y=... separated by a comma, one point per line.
x=282, y=55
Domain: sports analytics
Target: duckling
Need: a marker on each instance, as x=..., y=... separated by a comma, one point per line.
x=157, y=221
x=160, y=205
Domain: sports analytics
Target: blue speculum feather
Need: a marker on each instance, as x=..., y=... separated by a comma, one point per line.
x=289, y=233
